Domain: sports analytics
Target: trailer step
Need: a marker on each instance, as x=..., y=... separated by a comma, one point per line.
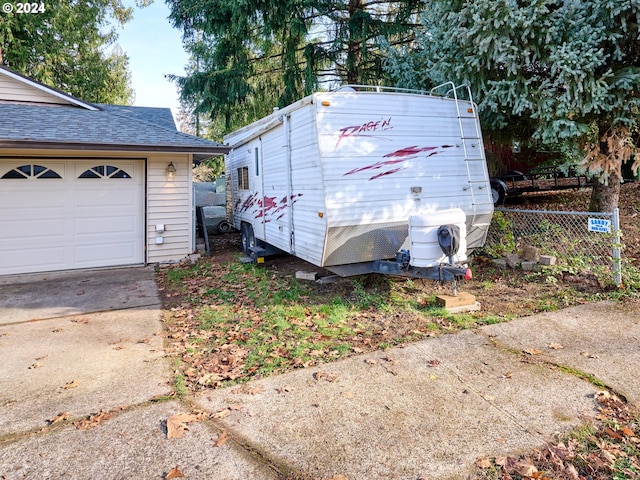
x=257, y=251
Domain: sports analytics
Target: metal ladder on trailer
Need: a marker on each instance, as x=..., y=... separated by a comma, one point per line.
x=473, y=136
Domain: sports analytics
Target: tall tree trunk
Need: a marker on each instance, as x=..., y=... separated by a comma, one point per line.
x=605, y=197
x=354, y=46
x=608, y=155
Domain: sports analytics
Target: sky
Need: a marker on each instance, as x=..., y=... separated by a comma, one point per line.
x=154, y=49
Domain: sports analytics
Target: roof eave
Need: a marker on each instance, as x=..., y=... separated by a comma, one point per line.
x=110, y=147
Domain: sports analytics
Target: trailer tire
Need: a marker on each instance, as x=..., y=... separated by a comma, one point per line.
x=498, y=192
x=224, y=227
x=248, y=238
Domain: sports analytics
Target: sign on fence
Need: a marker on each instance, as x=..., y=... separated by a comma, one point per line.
x=599, y=225
x=563, y=235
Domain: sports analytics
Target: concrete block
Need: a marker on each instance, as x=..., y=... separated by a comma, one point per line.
x=547, y=260
x=500, y=262
x=529, y=266
x=529, y=253
x=300, y=275
x=512, y=260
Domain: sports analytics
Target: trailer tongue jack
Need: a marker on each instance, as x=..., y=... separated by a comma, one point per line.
x=449, y=241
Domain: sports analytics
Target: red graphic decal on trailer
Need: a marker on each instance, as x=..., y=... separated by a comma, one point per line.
x=364, y=129
x=375, y=166
x=266, y=207
x=399, y=156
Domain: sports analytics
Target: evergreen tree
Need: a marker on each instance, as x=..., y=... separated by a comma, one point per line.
x=65, y=45
x=564, y=70
x=259, y=54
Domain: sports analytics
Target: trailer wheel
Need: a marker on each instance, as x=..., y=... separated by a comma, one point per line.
x=224, y=227
x=248, y=239
x=498, y=192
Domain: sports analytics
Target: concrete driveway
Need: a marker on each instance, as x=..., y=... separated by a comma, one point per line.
x=84, y=380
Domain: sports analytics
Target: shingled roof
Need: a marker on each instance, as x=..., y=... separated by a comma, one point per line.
x=104, y=127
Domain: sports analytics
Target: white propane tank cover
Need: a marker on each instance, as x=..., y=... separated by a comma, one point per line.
x=424, y=248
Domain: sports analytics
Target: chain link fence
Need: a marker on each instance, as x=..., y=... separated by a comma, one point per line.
x=582, y=242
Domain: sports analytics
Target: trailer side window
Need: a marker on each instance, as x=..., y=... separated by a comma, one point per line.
x=243, y=178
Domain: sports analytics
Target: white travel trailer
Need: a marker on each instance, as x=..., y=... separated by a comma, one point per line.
x=360, y=179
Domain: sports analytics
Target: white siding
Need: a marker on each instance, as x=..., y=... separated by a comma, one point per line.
x=169, y=203
x=11, y=89
x=309, y=221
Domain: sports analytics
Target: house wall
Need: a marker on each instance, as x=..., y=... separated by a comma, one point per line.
x=166, y=202
x=169, y=203
x=11, y=89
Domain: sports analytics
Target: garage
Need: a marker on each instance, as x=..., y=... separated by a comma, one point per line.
x=59, y=214
x=92, y=185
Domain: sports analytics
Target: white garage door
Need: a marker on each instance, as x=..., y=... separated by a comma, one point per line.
x=58, y=214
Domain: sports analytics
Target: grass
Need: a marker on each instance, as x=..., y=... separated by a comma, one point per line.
x=235, y=321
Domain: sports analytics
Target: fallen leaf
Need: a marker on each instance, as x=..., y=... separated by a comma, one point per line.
x=571, y=472
x=285, y=389
x=370, y=361
x=556, y=346
x=93, y=420
x=248, y=390
x=222, y=438
x=527, y=469
x=533, y=351
x=329, y=377
x=483, y=462
x=36, y=365
x=589, y=355
x=348, y=394
x=59, y=418
x=177, y=424
x=225, y=412
x=434, y=363
x=507, y=375
x=628, y=432
x=174, y=473
x=613, y=434
x=71, y=384
x=501, y=461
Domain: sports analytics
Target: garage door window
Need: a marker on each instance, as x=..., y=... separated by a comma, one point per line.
x=104, y=171
x=30, y=171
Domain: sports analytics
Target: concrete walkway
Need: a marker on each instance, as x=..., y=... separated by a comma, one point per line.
x=428, y=410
